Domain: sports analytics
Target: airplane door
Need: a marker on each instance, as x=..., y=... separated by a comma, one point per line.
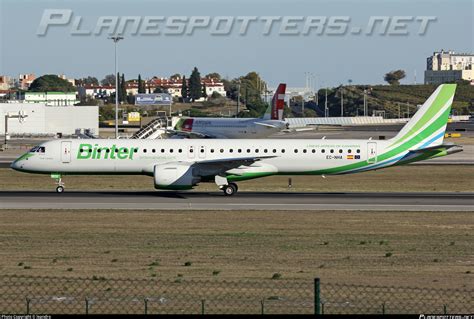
x=65, y=152
x=191, y=152
x=371, y=152
x=202, y=152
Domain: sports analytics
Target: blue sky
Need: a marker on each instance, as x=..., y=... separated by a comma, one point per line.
x=334, y=59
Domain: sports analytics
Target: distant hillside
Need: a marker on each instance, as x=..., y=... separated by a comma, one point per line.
x=388, y=98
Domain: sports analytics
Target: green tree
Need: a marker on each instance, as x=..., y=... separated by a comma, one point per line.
x=122, y=88
x=159, y=89
x=123, y=85
x=231, y=88
x=175, y=77
x=195, y=88
x=184, y=89
x=215, y=95
x=51, y=82
x=204, y=90
x=141, y=85
x=108, y=80
x=394, y=77
x=214, y=75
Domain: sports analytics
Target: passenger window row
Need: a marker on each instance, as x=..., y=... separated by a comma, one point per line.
x=248, y=150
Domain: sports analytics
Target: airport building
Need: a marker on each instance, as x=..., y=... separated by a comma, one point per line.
x=448, y=66
x=51, y=98
x=95, y=91
x=42, y=119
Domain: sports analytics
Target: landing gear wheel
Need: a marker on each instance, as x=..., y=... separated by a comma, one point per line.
x=236, y=187
x=59, y=182
x=230, y=189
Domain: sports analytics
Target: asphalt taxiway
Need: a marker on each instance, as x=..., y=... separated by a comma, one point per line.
x=163, y=200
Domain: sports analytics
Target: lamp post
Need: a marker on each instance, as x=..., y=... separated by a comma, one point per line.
x=342, y=101
x=238, y=100
x=326, y=111
x=116, y=39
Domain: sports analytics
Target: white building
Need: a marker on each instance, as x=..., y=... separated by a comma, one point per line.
x=43, y=119
x=51, y=98
x=449, y=66
x=6, y=82
x=70, y=80
x=215, y=87
x=95, y=91
x=25, y=80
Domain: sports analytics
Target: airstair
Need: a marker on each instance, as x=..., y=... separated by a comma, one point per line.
x=152, y=130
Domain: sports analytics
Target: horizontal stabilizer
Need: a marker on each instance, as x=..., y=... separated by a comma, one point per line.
x=450, y=148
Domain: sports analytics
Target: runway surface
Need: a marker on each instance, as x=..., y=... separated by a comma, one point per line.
x=241, y=201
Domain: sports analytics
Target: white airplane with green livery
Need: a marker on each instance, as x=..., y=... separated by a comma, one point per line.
x=183, y=164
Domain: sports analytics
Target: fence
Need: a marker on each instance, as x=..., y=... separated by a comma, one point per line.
x=33, y=295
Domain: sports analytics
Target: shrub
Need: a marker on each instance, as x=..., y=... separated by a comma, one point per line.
x=276, y=276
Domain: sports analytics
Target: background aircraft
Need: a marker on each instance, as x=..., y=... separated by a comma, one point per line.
x=206, y=127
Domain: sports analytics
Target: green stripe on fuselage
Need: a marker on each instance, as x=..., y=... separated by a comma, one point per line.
x=24, y=157
x=427, y=132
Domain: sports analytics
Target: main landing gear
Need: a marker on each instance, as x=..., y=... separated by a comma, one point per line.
x=228, y=188
x=59, y=182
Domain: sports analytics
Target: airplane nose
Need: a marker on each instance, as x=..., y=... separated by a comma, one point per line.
x=14, y=165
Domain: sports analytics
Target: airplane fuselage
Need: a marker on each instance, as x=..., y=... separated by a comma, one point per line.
x=302, y=156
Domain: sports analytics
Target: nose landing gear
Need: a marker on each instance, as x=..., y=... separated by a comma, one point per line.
x=59, y=182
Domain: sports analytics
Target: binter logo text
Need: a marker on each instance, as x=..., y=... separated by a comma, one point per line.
x=89, y=151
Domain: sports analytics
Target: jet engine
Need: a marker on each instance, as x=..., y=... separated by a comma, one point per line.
x=174, y=176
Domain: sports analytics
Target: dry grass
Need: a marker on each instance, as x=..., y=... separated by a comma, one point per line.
x=388, y=248
x=424, y=178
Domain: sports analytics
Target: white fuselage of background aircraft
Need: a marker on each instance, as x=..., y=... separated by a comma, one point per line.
x=229, y=127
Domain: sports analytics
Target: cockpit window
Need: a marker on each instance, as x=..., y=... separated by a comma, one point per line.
x=38, y=149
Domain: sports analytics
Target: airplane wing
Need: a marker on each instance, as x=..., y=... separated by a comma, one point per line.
x=220, y=166
x=303, y=129
x=266, y=124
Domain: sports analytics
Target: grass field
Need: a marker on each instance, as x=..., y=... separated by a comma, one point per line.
x=385, y=248
x=424, y=178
